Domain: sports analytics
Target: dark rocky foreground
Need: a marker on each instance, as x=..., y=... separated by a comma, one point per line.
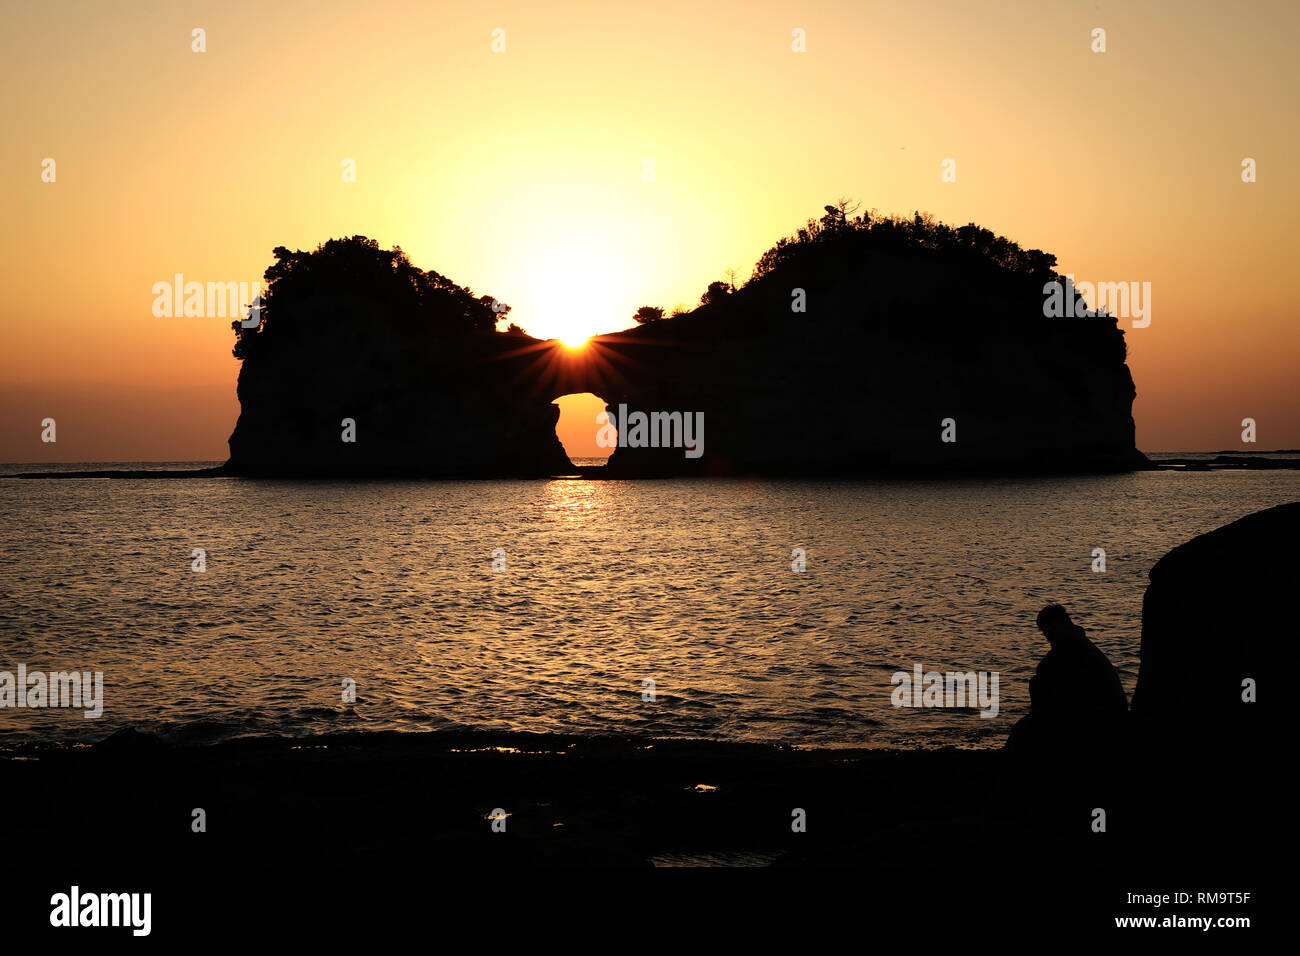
x=339, y=816
x=376, y=800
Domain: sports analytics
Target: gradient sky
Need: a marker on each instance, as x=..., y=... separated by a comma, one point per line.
x=520, y=175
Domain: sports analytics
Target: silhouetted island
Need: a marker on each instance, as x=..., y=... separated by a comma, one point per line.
x=858, y=347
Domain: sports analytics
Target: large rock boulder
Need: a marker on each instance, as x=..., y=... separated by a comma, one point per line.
x=1214, y=605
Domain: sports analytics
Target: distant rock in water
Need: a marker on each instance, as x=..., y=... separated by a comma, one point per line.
x=907, y=332
x=1213, y=606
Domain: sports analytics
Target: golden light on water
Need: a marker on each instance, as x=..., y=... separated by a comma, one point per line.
x=576, y=499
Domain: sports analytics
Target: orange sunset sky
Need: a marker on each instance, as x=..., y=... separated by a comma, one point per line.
x=520, y=174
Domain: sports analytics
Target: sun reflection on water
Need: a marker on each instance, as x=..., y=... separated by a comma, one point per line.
x=574, y=496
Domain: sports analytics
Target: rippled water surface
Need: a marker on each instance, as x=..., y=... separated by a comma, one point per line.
x=607, y=584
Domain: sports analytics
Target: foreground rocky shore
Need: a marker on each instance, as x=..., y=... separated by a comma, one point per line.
x=323, y=817
x=377, y=798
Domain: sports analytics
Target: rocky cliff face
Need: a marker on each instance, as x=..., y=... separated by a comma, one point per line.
x=863, y=382
x=365, y=365
x=422, y=406
x=899, y=346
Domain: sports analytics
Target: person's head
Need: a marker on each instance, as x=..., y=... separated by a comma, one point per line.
x=1054, y=621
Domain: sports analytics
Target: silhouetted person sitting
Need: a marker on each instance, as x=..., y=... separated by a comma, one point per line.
x=1070, y=754
x=1076, y=698
x=1075, y=680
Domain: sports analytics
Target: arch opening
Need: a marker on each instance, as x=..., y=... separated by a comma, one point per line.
x=578, y=429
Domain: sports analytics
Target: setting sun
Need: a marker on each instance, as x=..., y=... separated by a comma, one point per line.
x=570, y=289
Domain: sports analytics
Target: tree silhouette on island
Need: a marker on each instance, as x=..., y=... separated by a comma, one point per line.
x=862, y=344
